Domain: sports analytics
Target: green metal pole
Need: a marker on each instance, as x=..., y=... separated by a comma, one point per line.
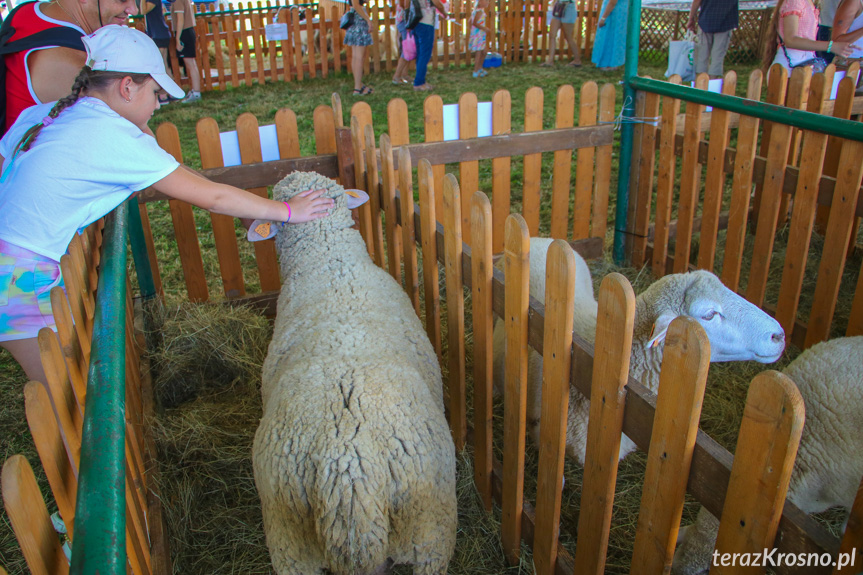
x=139, y=251
x=769, y=112
x=100, y=519
x=630, y=71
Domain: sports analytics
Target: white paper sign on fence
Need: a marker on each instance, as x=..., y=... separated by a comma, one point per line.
x=714, y=86
x=276, y=31
x=450, y=121
x=231, y=145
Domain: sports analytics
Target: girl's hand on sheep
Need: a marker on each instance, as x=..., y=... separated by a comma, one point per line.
x=307, y=206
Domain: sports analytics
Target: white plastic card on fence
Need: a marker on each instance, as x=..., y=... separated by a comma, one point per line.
x=714, y=86
x=837, y=77
x=276, y=31
x=450, y=121
x=231, y=146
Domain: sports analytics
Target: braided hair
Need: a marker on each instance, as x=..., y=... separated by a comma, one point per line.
x=87, y=80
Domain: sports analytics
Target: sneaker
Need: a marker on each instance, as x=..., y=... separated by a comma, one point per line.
x=191, y=97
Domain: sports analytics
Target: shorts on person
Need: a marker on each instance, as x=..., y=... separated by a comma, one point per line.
x=358, y=34
x=26, y=281
x=187, y=37
x=570, y=14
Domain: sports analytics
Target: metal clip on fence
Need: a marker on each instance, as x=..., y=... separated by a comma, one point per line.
x=621, y=119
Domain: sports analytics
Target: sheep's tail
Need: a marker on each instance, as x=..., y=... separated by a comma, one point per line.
x=353, y=519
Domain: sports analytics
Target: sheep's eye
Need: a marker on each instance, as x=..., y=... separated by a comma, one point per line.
x=710, y=315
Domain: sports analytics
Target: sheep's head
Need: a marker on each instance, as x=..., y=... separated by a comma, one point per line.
x=737, y=329
x=296, y=182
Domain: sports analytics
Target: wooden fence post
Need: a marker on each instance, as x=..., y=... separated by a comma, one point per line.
x=184, y=223
x=665, y=179
x=556, y=364
x=690, y=180
x=675, y=424
x=714, y=179
x=562, y=170
x=853, y=538
x=532, y=167
x=388, y=197
x=406, y=203
x=428, y=230
x=501, y=168
x=517, y=271
x=483, y=318
x=455, y=310
x=614, y=326
x=803, y=215
x=741, y=189
x=468, y=172
x=581, y=211
x=640, y=203
x=373, y=189
x=769, y=437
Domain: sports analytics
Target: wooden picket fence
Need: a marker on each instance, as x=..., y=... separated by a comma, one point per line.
x=804, y=181
x=55, y=416
x=588, y=170
x=233, y=46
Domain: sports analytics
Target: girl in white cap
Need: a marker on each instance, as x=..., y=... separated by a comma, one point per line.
x=67, y=164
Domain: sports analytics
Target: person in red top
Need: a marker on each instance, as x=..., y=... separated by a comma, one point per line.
x=46, y=73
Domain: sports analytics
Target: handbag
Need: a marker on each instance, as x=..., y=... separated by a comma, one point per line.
x=680, y=59
x=414, y=15
x=818, y=64
x=559, y=9
x=347, y=19
x=409, y=47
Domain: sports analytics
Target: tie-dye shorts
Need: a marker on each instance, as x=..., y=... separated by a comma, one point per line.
x=26, y=280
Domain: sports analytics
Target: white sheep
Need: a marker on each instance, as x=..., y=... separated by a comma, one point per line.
x=737, y=329
x=829, y=461
x=353, y=458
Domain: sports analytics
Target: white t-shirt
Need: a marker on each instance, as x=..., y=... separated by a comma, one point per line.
x=81, y=167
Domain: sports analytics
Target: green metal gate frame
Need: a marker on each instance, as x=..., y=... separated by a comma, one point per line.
x=632, y=82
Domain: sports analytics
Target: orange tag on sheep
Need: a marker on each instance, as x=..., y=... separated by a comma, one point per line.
x=263, y=229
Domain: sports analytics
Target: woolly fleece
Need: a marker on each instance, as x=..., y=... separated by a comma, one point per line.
x=353, y=458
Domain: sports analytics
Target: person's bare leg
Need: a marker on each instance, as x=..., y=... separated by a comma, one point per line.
x=478, y=60
x=194, y=74
x=26, y=353
x=164, y=53
x=568, y=30
x=401, y=70
x=552, y=41
x=357, y=66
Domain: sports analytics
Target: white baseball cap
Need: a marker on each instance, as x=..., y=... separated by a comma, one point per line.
x=115, y=48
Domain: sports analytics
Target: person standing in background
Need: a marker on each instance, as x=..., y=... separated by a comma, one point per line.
x=183, y=21
x=424, y=35
x=157, y=28
x=825, y=27
x=565, y=22
x=713, y=21
x=44, y=72
x=609, y=52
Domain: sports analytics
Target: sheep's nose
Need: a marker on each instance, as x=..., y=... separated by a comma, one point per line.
x=778, y=337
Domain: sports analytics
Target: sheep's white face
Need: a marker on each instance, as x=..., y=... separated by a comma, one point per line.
x=737, y=329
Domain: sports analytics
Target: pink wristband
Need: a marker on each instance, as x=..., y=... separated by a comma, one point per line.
x=287, y=205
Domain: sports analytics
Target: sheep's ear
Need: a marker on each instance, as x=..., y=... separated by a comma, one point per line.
x=660, y=327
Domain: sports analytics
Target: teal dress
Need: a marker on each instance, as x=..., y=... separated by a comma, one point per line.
x=609, y=46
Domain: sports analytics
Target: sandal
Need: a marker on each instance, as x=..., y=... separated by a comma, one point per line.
x=546, y=65
x=364, y=91
x=574, y=64
x=424, y=88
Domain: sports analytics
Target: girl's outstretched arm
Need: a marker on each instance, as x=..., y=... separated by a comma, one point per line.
x=189, y=186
